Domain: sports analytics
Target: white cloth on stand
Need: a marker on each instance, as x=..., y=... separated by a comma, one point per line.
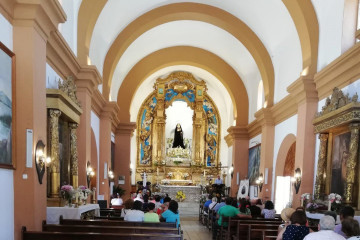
x=243, y=191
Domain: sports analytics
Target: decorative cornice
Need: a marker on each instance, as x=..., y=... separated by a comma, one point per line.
x=60, y=56
x=284, y=109
x=97, y=102
x=254, y=128
x=339, y=73
x=238, y=132
x=88, y=78
x=229, y=140
x=303, y=90
x=264, y=117
x=125, y=128
x=45, y=14
x=110, y=111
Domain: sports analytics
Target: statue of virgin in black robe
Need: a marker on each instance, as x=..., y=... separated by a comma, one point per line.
x=178, y=137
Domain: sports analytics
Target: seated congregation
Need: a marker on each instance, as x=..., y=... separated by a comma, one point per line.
x=229, y=218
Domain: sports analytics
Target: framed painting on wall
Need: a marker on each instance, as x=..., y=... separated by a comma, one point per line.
x=254, y=164
x=7, y=107
x=340, y=155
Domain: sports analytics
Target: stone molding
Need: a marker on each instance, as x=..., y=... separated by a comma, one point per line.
x=125, y=128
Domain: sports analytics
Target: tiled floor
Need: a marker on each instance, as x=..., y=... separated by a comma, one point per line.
x=193, y=229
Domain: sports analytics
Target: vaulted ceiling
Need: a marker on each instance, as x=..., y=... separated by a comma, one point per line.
x=231, y=44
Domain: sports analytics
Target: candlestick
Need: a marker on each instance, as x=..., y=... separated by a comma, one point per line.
x=157, y=171
x=329, y=206
x=76, y=197
x=204, y=173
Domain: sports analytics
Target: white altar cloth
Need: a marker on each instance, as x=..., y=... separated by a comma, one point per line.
x=53, y=213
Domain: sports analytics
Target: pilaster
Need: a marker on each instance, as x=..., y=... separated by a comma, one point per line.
x=304, y=92
x=108, y=113
x=122, y=154
x=265, y=118
x=240, y=143
x=32, y=25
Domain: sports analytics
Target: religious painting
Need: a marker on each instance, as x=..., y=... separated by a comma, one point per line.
x=7, y=110
x=340, y=155
x=212, y=135
x=144, y=134
x=254, y=164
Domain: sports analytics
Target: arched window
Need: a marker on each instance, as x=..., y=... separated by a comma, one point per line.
x=260, y=96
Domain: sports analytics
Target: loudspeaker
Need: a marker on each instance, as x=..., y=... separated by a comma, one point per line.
x=102, y=203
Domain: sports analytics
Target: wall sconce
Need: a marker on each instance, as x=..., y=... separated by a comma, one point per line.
x=111, y=176
x=260, y=181
x=297, y=180
x=40, y=160
x=89, y=173
x=231, y=170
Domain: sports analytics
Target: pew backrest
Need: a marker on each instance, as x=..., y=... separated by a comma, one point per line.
x=115, y=223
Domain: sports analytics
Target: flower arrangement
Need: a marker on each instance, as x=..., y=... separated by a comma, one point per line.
x=83, y=192
x=305, y=198
x=311, y=207
x=180, y=196
x=67, y=192
x=334, y=201
x=169, y=175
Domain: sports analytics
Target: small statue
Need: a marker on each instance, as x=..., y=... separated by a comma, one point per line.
x=178, y=137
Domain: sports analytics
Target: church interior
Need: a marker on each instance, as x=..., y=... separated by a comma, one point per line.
x=260, y=97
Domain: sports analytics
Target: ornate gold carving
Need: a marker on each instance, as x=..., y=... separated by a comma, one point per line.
x=73, y=150
x=351, y=162
x=54, y=140
x=69, y=88
x=321, y=169
x=336, y=101
x=354, y=115
x=54, y=152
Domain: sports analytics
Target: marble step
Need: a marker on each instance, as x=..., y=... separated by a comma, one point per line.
x=189, y=208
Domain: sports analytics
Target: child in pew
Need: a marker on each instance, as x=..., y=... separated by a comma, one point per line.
x=150, y=216
x=172, y=214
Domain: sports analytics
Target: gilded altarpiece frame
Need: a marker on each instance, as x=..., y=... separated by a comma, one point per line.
x=338, y=126
x=152, y=119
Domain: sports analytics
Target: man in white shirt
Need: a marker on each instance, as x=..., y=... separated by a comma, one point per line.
x=326, y=230
x=218, y=180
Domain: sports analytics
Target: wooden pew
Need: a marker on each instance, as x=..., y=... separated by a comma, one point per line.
x=32, y=235
x=254, y=231
x=115, y=223
x=108, y=229
x=110, y=212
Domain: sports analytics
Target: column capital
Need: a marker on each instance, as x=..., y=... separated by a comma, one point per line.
x=43, y=15
x=264, y=116
x=110, y=111
x=125, y=128
x=88, y=78
x=304, y=90
x=236, y=132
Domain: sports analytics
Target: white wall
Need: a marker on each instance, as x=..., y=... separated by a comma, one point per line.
x=69, y=28
x=95, y=125
x=330, y=17
x=52, y=78
x=6, y=176
x=255, y=141
x=179, y=112
x=289, y=126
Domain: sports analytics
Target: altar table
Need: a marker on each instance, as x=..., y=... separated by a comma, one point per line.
x=53, y=213
x=192, y=193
